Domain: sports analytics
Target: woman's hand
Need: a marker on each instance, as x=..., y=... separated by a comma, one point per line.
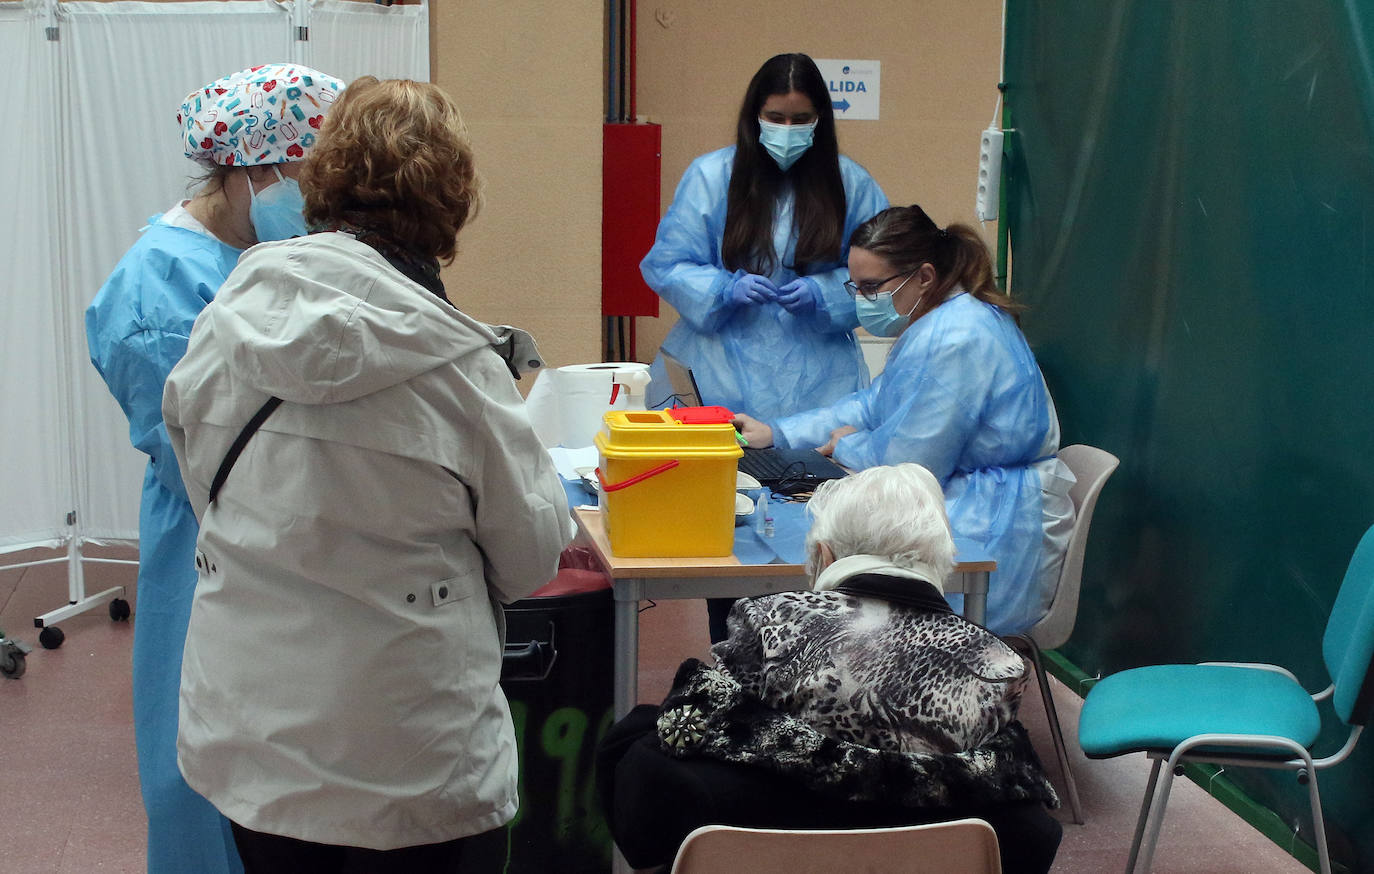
x=799, y=296
x=754, y=432
x=752, y=290
x=842, y=431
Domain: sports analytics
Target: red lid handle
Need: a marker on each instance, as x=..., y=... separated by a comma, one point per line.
x=637, y=478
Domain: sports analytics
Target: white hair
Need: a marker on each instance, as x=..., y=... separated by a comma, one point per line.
x=895, y=512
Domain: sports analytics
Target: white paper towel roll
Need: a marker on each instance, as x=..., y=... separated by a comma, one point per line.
x=566, y=405
x=584, y=397
x=541, y=405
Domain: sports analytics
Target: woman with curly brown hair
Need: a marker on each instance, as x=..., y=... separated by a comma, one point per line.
x=136, y=331
x=339, y=698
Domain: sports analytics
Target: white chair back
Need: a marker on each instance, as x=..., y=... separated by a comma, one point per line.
x=964, y=846
x=1091, y=466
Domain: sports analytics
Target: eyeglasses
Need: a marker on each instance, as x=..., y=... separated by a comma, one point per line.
x=869, y=288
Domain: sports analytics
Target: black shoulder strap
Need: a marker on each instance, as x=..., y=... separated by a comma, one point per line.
x=239, y=442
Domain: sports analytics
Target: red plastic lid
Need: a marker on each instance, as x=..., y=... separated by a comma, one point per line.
x=702, y=415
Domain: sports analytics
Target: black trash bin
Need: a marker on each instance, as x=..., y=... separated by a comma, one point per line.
x=557, y=675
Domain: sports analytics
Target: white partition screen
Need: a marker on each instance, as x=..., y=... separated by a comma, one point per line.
x=35, y=471
x=349, y=40
x=94, y=147
x=127, y=67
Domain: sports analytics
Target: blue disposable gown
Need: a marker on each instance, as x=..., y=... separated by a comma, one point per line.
x=962, y=395
x=761, y=359
x=136, y=329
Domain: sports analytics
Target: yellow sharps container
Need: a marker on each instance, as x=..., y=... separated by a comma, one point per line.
x=668, y=483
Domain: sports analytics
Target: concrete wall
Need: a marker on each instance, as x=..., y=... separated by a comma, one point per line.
x=528, y=76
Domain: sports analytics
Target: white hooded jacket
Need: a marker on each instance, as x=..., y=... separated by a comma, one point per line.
x=339, y=683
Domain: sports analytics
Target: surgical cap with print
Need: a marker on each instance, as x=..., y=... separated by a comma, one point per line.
x=269, y=114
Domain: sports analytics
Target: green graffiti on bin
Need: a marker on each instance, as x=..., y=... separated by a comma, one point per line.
x=558, y=808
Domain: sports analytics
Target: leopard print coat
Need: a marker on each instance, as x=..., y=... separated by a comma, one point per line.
x=878, y=662
x=708, y=715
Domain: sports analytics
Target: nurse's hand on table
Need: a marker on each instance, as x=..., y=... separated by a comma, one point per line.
x=754, y=432
x=829, y=448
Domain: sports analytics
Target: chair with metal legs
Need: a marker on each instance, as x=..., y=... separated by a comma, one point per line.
x=1239, y=714
x=1091, y=467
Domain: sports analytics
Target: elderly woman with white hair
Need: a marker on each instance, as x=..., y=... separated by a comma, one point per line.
x=865, y=701
x=873, y=654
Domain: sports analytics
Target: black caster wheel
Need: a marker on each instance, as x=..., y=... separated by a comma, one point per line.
x=51, y=637
x=119, y=609
x=12, y=663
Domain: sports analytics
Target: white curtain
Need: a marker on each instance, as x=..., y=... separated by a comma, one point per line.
x=127, y=67
x=35, y=474
x=349, y=40
x=94, y=151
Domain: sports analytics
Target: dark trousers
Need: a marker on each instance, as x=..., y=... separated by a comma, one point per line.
x=652, y=801
x=274, y=854
x=716, y=611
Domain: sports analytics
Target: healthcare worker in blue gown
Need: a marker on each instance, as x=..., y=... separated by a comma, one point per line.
x=250, y=130
x=751, y=255
x=961, y=394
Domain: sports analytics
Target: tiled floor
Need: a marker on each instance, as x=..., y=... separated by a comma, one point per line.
x=70, y=792
x=67, y=769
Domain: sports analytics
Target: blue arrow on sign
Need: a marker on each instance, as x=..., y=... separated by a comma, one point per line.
x=842, y=105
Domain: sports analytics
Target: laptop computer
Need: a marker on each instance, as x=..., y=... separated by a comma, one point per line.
x=787, y=470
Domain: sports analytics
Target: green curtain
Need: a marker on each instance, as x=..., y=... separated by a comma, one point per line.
x=1190, y=194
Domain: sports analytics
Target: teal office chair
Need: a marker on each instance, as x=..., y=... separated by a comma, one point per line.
x=1091, y=467
x=1248, y=715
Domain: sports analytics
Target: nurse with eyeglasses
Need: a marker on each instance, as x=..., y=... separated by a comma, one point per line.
x=960, y=394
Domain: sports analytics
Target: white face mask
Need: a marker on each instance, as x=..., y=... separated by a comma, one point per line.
x=279, y=212
x=786, y=142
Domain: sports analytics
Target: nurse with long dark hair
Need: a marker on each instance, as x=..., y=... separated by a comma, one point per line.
x=751, y=255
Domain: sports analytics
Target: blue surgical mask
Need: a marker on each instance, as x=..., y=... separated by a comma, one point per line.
x=279, y=212
x=880, y=317
x=786, y=142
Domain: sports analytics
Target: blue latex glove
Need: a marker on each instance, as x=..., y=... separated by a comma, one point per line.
x=799, y=296
x=751, y=290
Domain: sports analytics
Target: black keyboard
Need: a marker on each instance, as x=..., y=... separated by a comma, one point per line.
x=765, y=466
x=770, y=466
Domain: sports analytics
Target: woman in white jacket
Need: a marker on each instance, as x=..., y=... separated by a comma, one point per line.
x=340, y=700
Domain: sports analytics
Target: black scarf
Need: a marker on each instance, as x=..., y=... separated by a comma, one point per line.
x=420, y=269
x=897, y=590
